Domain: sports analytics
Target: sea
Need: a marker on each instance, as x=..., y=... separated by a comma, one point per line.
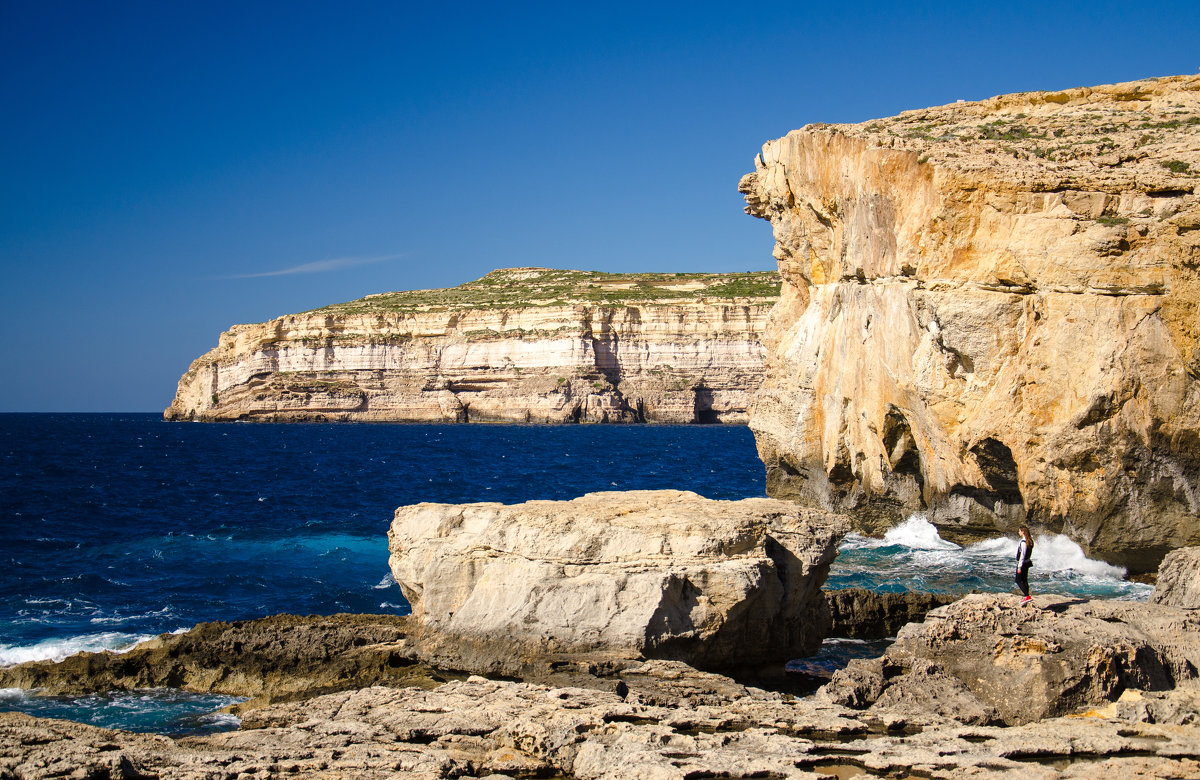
x=115, y=528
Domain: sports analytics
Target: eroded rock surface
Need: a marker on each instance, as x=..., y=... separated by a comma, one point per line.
x=1013, y=284
x=935, y=708
x=1178, y=583
x=271, y=659
x=518, y=345
x=479, y=727
x=858, y=613
x=659, y=573
x=986, y=659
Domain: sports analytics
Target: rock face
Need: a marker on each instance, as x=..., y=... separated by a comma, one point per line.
x=661, y=573
x=989, y=314
x=858, y=613
x=1178, y=582
x=518, y=345
x=985, y=659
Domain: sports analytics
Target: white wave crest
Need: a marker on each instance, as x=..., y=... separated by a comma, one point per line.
x=919, y=534
x=58, y=649
x=1059, y=553
x=12, y=695
x=1051, y=553
x=222, y=721
x=387, y=582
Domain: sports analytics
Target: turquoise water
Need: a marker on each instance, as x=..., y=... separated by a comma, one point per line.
x=117, y=528
x=912, y=557
x=157, y=710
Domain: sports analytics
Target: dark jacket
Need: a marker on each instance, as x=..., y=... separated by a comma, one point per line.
x=1024, y=554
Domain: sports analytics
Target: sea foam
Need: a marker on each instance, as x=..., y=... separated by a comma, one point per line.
x=913, y=557
x=58, y=649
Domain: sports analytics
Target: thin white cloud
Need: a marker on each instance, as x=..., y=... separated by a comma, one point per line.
x=317, y=267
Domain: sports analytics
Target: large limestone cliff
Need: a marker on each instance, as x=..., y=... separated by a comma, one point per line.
x=989, y=314
x=518, y=345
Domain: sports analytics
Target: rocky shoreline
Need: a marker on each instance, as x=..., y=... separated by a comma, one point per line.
x=1020, y=319
x=377, y=710
x=980, y=687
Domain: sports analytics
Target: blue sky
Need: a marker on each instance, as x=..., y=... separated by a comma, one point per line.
x=171, y=169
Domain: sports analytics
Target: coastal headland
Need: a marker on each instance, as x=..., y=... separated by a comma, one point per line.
x=518, y=345
x=988, y=314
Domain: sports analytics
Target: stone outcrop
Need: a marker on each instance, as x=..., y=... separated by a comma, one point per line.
x=1178, y=583
x=273, y=659
x=656, y=573
x=700, y=728
x=985, y=659
x=989, y=314
x=858, y=613
x=950, y=700
x=518, y=345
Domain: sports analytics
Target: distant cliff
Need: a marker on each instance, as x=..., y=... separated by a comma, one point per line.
x=518, y=345
x=989, y=313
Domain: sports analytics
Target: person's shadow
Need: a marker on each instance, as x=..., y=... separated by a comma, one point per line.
x=1060, y=607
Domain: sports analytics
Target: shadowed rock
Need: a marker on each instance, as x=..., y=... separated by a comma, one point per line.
x=1178, y=583
x=858, y=613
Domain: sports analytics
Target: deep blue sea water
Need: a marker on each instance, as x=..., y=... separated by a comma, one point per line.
x=119, y=527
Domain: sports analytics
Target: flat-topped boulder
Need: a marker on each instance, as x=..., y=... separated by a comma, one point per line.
x=660, y=574
x=1178, y=582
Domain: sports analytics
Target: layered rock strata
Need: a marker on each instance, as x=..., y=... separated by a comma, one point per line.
x=656, y=573
x=518, y=345
x=1178, y=583
x=989, y=314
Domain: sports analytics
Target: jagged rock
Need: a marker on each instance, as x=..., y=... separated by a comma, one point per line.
x=479, y=727
x=1013, y=284
x=659, y=573
x=518, y=345
x=661, y=718
x=278, y=658
x=1178, y=583
x=858, y=613
x=1005, y=663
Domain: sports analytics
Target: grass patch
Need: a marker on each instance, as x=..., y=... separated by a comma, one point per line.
x=525, y=287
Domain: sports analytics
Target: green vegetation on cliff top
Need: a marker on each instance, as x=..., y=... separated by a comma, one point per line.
x=519, y=287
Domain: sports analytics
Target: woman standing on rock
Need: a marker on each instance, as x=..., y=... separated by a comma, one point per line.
x=1024, y=561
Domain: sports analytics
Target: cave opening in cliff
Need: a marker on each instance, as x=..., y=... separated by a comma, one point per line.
x=900, y=447
x=702, y=407
x=999, y=469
